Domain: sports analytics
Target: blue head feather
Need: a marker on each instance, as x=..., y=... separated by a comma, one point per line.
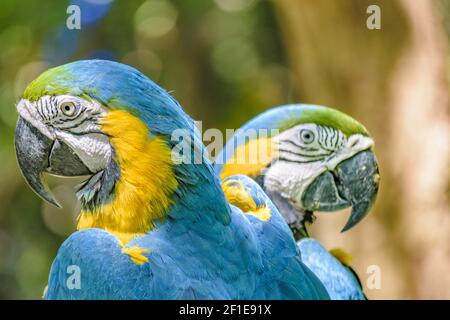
x=118, y=86
x=278, y=119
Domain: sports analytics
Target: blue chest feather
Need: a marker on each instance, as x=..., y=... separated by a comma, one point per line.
x=245, y=258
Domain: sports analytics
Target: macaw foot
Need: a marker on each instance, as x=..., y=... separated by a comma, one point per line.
x=136, y=254
x=344, y=257
x=244, y=198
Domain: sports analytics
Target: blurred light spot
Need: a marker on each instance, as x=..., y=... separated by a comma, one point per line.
x=234, y=5
x=235, y=59
x=32, y=271
x=8, y=112
x=155, y=18
x=99, y=2
x=274, y=84
x=62, y=220
x=145, y=60
x=60, y=45
x=15, y=44
x=218, y=25
x=102, y=54
x=448, y=68
x=26, y=74
x=92, y=10
x=8, y=250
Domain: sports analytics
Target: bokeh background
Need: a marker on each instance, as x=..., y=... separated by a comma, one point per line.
x=228, y=60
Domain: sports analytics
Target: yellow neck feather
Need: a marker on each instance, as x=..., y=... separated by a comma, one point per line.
x=142, y=193
x=250, y=158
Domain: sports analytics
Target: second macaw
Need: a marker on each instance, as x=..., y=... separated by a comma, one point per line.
x=309, y=158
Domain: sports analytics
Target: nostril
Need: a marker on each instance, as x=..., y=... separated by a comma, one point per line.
x=353, y=141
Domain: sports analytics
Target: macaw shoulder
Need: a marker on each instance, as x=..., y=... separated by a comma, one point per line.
x=285, y=276
x=91, y=264
x=94, y=264
x=170, y=262
x=250, y=199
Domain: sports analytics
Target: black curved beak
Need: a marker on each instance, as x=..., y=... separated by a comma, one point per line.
x=354, y=182
x=36, y=154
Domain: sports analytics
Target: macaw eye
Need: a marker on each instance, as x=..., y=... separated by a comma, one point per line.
x=68, y=108
x=307, y=136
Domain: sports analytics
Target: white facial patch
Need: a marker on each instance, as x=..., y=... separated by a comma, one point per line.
x=305, y=152
x=27, y=111
x=74, y=121
x=93, y=149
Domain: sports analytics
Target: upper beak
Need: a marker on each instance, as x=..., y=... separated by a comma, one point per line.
x=36, y=154
x=354, y=182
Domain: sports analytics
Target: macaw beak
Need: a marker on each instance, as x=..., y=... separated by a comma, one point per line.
x=354, y=182
x=36, y=154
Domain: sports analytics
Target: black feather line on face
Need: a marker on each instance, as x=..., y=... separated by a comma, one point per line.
x=296, y=161
x=323, y=137
x=88, y=132
x=318, y=156
x=299, y=146
x=75, y=124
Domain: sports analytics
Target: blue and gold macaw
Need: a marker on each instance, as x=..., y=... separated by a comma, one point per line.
x=154, y=224
x=309, y=158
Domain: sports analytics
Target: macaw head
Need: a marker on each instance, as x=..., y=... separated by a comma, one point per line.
x=110, y=122
x=307, y=158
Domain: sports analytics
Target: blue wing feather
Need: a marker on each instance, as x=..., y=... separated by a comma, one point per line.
x=338, y=279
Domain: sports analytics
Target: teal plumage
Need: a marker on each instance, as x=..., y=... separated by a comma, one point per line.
x=204, y=248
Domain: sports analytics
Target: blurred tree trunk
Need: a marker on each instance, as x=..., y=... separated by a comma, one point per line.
x=394, y=81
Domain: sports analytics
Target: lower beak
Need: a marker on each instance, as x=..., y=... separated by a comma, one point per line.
x=36, y=154
x=354, y=182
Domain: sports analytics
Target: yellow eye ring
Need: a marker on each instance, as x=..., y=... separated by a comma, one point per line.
x=68, y=108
